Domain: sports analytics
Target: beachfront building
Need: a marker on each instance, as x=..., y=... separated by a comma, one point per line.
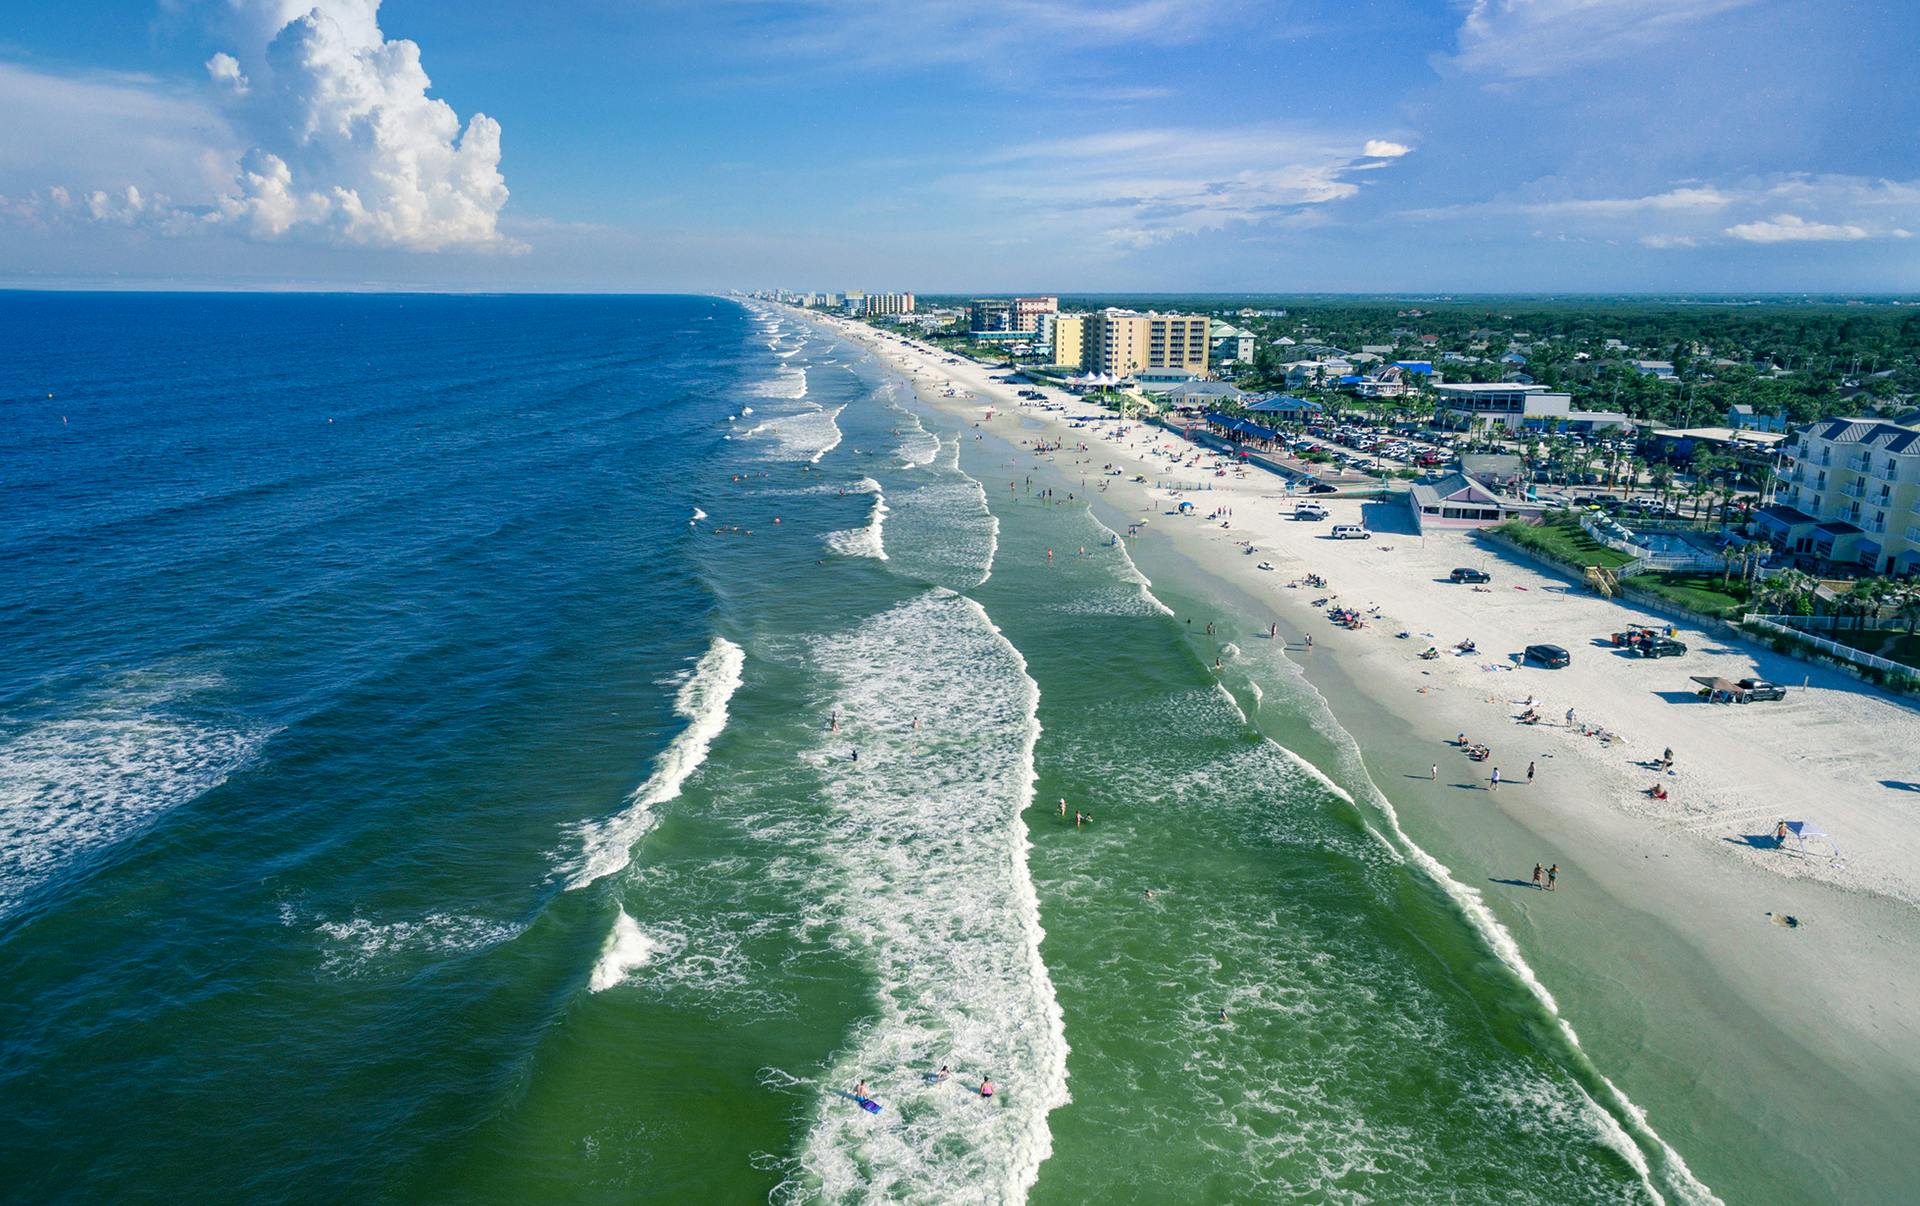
x=881, y=305
x=1229, y=343
x=1288, y=409
x=1742, y=417
x=1499, y=402
x=1124, y=341
x=1010, y=313
x=1851, y=496
x=1454, y=502
x=1065, y=337
x=1027, y=311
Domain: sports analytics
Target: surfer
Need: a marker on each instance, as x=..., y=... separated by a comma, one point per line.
x=860, y=1090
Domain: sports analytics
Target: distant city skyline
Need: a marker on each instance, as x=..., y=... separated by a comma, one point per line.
x=1145, y=146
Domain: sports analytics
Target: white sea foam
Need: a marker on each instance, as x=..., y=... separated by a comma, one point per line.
x=626, y=950
x=789, y=382
x=868, y=541
x=930, y=887
x=945, y=532
x=360, y=945
x=607, y=846
x=809, y=434
x=74, y=784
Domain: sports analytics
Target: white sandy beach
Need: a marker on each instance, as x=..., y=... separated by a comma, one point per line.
x=1835, y=752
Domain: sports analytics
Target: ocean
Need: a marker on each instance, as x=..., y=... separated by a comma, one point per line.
x=507, y=749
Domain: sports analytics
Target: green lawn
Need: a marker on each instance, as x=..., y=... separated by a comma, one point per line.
x=1698, y=591
x=1561, y=538
x=1896, y=646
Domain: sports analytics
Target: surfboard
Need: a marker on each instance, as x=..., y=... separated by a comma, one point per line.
x=868, y=1104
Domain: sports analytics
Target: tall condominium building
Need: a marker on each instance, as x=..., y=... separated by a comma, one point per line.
x=1121, y=341
x=889, y=303
x=1851, y=496
x=1027, y=311
x=1066, y=337
x=1011, y=313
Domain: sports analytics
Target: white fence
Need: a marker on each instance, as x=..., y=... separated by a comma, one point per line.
x=1845, y=653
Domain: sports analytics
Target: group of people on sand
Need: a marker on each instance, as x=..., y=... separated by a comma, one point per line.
x=1551, y=874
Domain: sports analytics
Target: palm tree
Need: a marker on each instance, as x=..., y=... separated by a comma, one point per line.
x=1730, y=556
x=1906, y=602
x=1757, y=551
x=1789, y=592
x=1663, y=482
x=1862, y=601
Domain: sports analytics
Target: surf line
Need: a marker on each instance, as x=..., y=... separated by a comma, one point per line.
x=607, y=847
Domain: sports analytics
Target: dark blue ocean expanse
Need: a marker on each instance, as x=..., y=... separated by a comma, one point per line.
x=428, y=734
x=321, y=617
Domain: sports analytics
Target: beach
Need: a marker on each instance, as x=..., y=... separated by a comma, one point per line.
x=1704, y=970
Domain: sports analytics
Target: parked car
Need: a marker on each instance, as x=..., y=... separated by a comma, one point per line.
x=1659, y=647
x=1309, y=510
x=1321, y=488
x=1551, y=656
x=1350, y=531
x=1465, y=574
x=1760, y=688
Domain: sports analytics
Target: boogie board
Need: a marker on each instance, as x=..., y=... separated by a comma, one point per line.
x=868, y=1104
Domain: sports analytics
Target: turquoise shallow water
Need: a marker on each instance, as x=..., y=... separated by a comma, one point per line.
x=428, y=770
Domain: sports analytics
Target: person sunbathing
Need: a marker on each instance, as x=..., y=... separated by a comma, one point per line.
x=1658, y=791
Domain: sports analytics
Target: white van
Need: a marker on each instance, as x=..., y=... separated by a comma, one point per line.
x=1309, y=510
x=1350, y=531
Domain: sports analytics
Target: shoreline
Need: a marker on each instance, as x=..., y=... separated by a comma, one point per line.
x=1668, y=961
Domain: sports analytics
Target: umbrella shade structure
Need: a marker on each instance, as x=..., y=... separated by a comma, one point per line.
x=1718, y=688
x=1800, y=832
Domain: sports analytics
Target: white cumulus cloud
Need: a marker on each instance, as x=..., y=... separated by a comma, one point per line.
x=347, y=144
x=1380, y=148
x=1791, y=228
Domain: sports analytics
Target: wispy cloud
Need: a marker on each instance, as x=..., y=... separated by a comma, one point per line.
x=1791, y=228
x=1843, y=208
x=1517, y=39
x=1140, y=186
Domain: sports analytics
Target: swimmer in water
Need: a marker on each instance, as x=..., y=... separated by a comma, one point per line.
x=986, y=1086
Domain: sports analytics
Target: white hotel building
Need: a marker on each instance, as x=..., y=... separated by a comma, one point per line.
x=1850, y=494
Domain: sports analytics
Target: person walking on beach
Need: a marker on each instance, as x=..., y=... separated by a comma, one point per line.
x=1553, y=876
x=1494, y=783
x=1530, y=768
x=1569, y=717
x=1435, y=776
x=1536, y=876
x=1309, y=640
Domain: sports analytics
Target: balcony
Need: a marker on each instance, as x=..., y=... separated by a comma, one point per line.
x=1854, y=490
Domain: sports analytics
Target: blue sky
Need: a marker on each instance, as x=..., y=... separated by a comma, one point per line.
x=1299, y=145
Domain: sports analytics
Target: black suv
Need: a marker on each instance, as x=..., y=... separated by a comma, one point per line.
x=1464, y=574
x=1659, y=647
x=1551, y=656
